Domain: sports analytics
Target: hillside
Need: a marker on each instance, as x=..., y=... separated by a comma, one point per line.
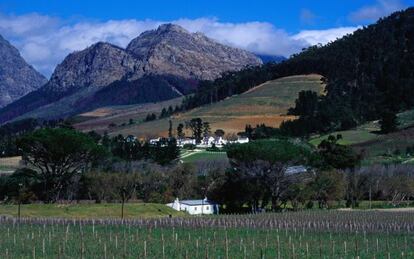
x=266, y=103
x=379, y=148
x=100, y=119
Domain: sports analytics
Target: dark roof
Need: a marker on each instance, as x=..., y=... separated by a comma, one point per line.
x=197, y=202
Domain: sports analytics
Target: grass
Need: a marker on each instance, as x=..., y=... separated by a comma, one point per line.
x=195, y=156
x=358, y=135
x=267, y=103
x=87, y=211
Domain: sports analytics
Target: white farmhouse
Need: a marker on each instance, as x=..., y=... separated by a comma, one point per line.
x=195, y=207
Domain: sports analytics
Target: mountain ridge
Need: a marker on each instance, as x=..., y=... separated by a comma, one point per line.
x=102, y=64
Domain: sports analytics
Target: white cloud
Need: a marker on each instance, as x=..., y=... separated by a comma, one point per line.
x=314, y=37
x=373, y=12
x=44, y=41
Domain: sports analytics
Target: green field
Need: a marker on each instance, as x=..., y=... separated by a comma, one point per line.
x=85, y=211
x=267, y=103
x=285, y=235
x=194, y=156
x=363, y=133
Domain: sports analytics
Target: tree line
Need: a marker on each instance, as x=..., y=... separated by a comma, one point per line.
x=262, y=175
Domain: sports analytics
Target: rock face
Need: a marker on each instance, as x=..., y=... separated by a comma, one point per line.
x=157, y=65
x=95, y=66
x=172, y=50
x=17, y=78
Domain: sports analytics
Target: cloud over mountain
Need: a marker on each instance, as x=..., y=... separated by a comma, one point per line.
x=45, y=40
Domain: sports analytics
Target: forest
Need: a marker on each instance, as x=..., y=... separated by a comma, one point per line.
x=368, y=76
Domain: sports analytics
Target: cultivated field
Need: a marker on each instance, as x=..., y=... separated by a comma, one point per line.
x=100, y=119
x=312, y=234
x=267, y=103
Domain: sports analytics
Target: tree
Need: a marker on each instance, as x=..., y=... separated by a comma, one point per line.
x=219, y=133
x=170, y=129
x=125, y=186
x=388, y=122
x=328, y=186
x=58, y=155
x=180, y=131
x=206, y=129
x=306, y=105
x=196, y=127
x=334, y=155
x=261, y=169
x=164, y=113
x=150, y=117
x=182, y=180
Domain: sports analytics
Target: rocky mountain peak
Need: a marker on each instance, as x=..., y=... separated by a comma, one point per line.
x=17, y=78
x=172, y=50
x=169, y=27
x=98, y=65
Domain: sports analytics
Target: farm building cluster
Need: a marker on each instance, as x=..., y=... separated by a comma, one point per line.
x=205, y=142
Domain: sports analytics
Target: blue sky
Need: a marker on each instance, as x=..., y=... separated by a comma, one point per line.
x=45, y=31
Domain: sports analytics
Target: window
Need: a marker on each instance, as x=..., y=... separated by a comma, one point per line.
x=195, y=208
x=207, y=207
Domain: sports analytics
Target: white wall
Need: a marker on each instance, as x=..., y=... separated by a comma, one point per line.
x=199, y=209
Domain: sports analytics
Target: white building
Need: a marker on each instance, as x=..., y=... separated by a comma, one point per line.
x=195, y=207
x=186, y=141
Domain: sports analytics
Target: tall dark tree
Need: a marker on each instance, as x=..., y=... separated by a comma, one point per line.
x=170, y=129
x=388, y=122
x=180, y=131
x=206, y=129
x=196, y=127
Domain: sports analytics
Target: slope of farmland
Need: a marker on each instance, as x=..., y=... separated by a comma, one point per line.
x=267, y=103
x=100, y=119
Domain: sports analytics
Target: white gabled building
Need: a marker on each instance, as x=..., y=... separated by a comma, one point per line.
x=195, y=207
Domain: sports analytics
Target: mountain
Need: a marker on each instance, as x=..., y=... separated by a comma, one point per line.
x=172, y=50
x=157, y=65
x=17, y=78
x=271, y=58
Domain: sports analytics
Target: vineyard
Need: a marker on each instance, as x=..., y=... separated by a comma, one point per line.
x=310, y=234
